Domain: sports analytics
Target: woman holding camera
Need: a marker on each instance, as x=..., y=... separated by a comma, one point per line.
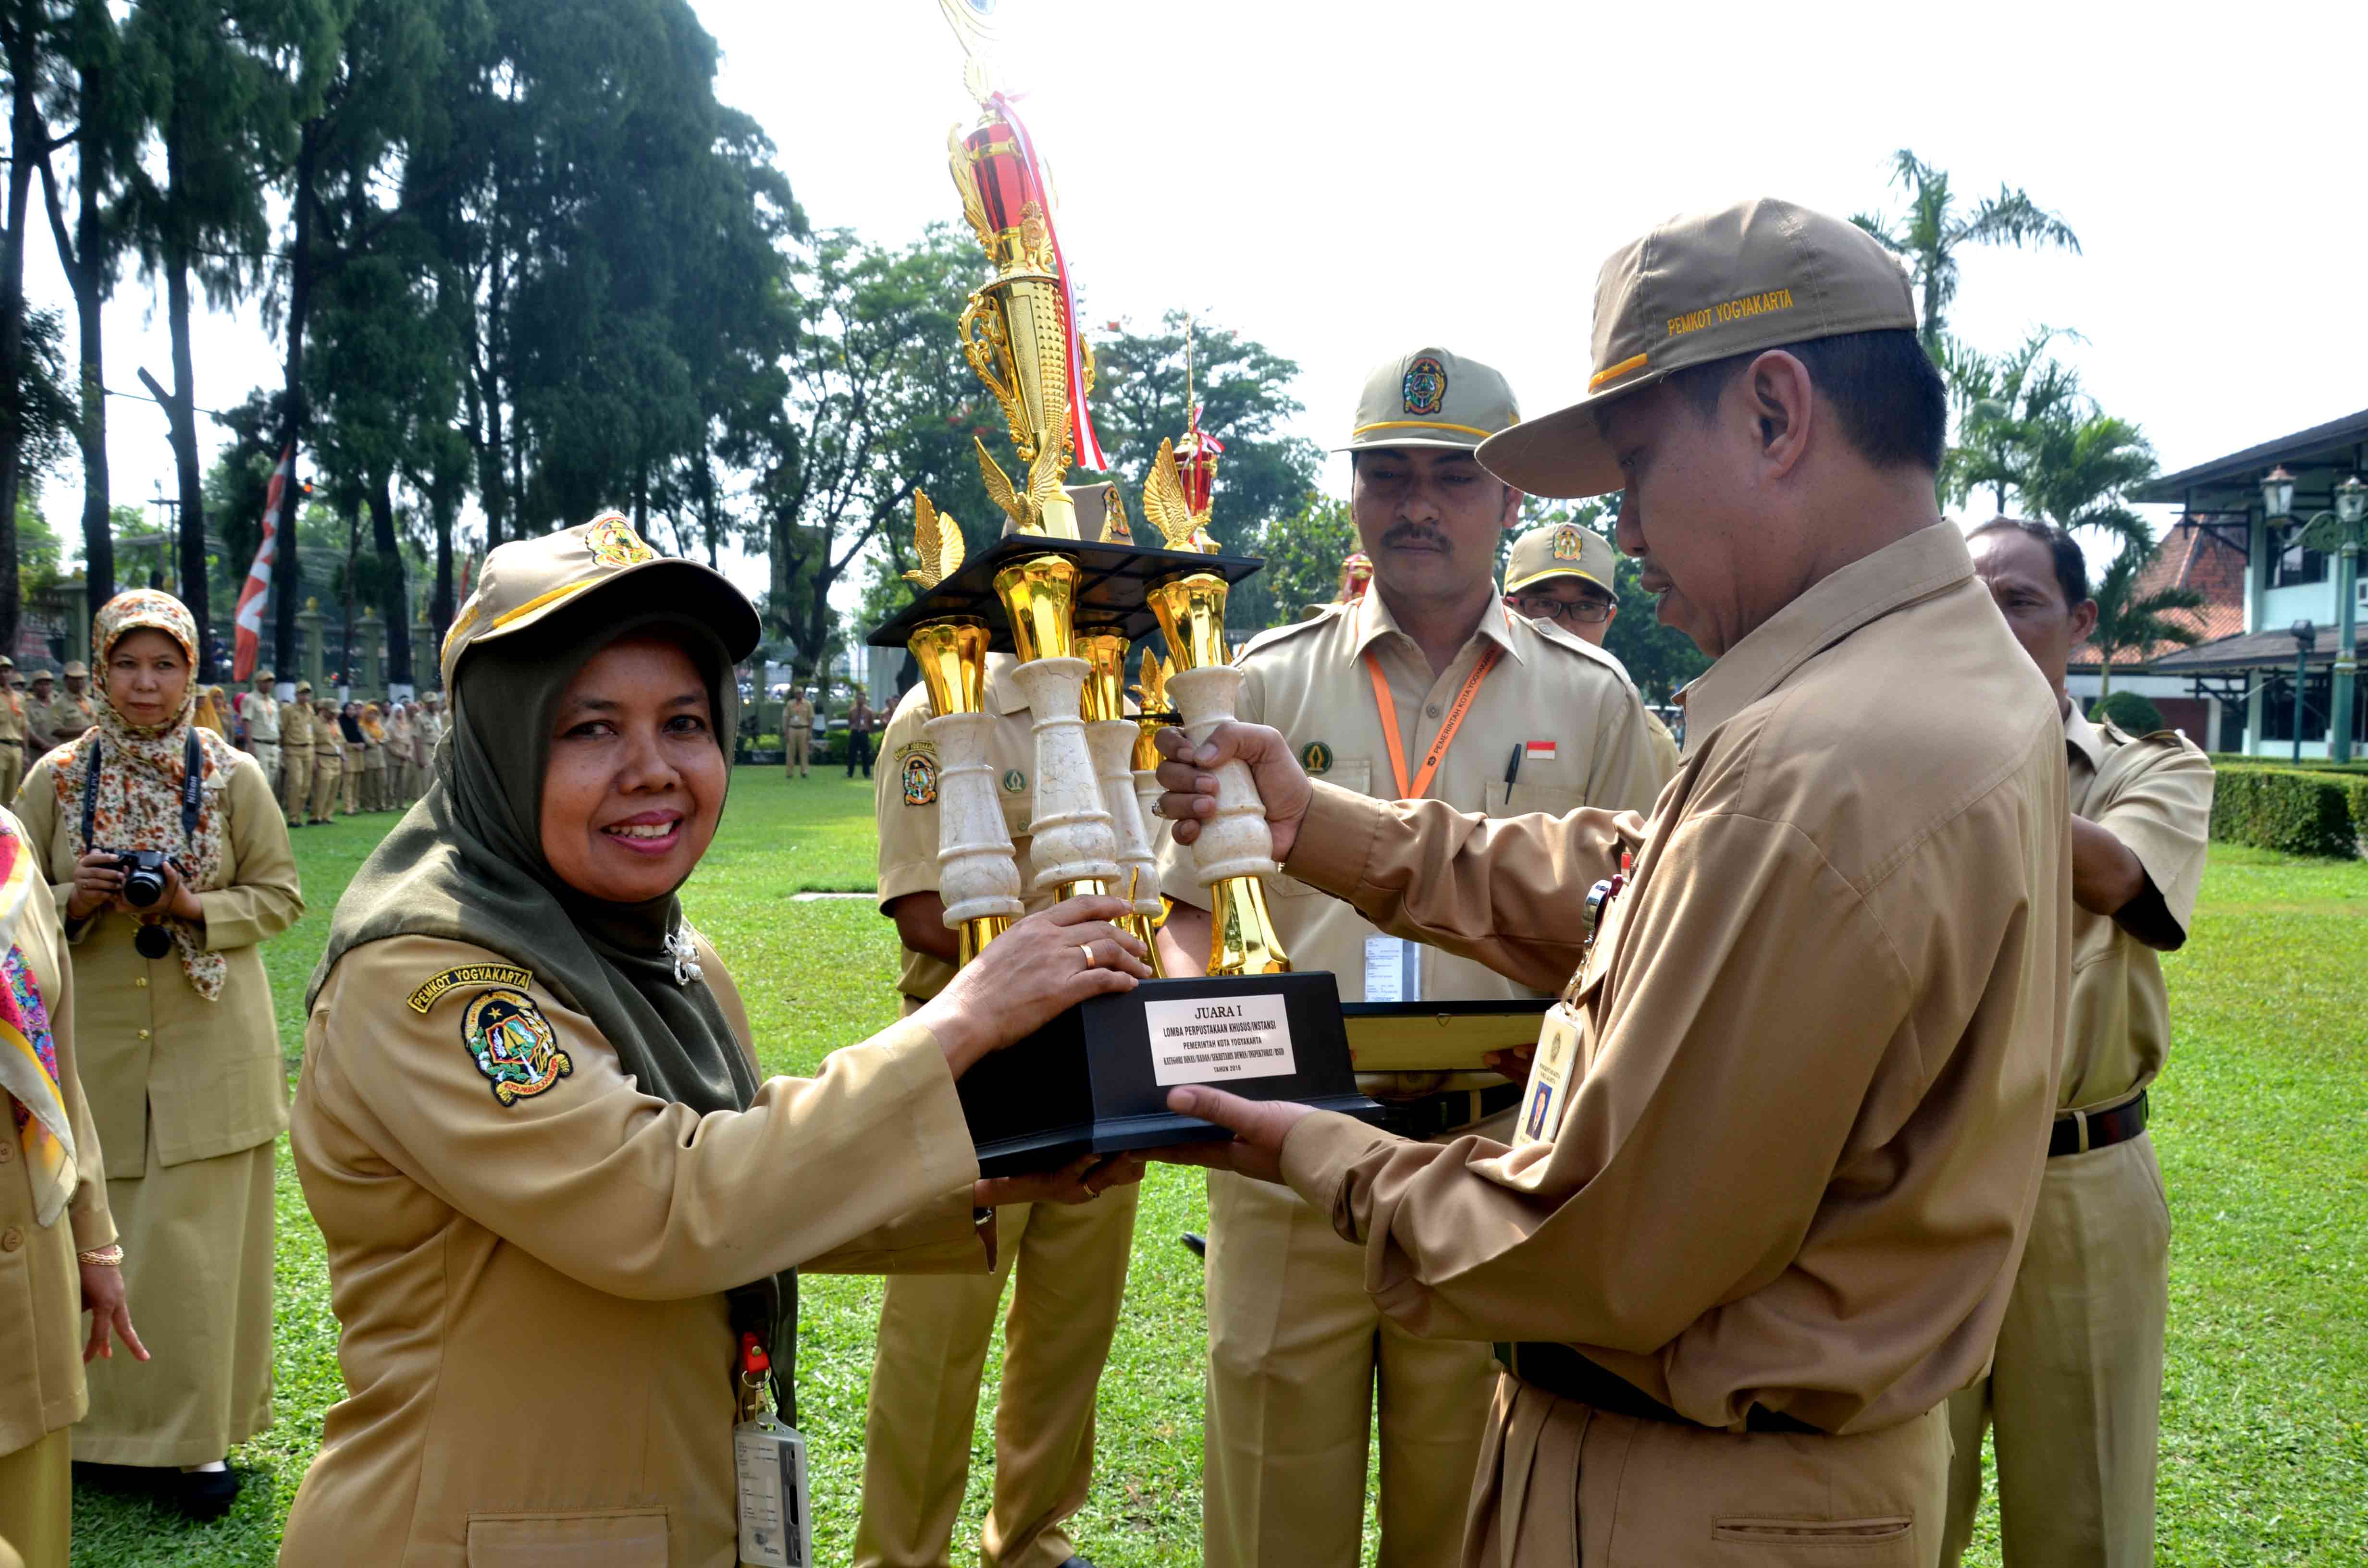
x=170, y=863
x=555, y=1189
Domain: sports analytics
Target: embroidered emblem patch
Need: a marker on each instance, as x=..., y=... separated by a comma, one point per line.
x=1424, y=390
x=1568, y=544
x=506, y=974
x=920, y=774
x=614, y=544
x=514, y=1044
x=1014, y=782
x=1316, y=756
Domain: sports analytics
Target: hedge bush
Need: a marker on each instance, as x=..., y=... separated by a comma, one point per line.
x=2133, y=712
x=2302, y=814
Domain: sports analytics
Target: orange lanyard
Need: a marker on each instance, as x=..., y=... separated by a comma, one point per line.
x=1439, y=744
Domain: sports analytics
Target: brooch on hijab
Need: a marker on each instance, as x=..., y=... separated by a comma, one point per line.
x=683, y=949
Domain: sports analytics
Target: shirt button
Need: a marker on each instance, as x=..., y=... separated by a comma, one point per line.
x=7, y=1151
x=11, y=1239
x=143, y=1034
x=139, y=981
x=1432, y=709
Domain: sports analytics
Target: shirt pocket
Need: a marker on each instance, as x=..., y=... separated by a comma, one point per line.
x=1352, y=773
x=605, y=1538
x=1878, y=1541
x=1524, y=799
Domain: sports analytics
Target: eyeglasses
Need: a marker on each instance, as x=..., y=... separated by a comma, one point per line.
x=1545, y=607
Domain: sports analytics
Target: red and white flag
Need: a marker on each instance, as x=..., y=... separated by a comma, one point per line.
x=249, y=615
x=1540, y=751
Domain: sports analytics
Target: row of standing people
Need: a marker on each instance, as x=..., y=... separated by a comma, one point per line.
x=319, y=754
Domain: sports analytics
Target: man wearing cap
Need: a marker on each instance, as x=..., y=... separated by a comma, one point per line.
x=1065, y=1264
x=1777, y=1158
x=297, y=725
x=12, y=732
x=1422, y=687
x=74, y=713
x=39, y=715
x=1564, y=577
x=797, y=731
x=330, y=761
x=2073, y=1391
x=261, y=716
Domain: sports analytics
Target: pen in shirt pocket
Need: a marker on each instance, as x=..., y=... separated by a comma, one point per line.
x=1513, y=765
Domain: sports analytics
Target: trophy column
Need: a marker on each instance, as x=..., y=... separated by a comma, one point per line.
x=1113, y=736
x=978, y=877
x=1073, y=843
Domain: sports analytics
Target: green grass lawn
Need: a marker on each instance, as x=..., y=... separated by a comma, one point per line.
x=2262, y=1123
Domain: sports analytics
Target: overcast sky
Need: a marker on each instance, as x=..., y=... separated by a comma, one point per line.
x=1346, y=181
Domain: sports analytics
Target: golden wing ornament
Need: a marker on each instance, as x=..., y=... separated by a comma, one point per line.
x=1163, y=506
x=937, y=542
x=999, y=491
x=966, y=183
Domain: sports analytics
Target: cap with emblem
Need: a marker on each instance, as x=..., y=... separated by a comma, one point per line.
x=1705, y=286
x=1561, y=549
x=1432, y=398
x=41, y=676
x=77, y=670
x=527, y=580
x=303, y=685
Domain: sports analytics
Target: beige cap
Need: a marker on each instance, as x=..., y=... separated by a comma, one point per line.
x=261, y=677
x=77, y=669
x=303, y=685
x=1562, y=550
x=1705, y=286
x=1431, y=397
x=41, y=676
x=526, y=580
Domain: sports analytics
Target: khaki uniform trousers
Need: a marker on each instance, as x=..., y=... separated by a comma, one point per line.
x=1071, y=1261
x=1561, y=1484
x=295, y=783
x=266, y=758
x=352, y=790
x=12, y=770
x=37, y=1501
x=1298, y=1354
x=2075, y=1391
x=793, y=758
x=328, y=773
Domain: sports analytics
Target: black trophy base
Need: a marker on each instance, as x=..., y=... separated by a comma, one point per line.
x=1094, y=1080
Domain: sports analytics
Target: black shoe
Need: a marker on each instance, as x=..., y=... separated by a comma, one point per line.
x=128, y=1480
x=1078, y=1563
x=1195, y=1243
x=199, y=1494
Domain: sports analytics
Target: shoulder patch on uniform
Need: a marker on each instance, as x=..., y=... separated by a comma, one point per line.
x=919, y=772
x=514, y=1044
x=426, y=997
x=1268, y=639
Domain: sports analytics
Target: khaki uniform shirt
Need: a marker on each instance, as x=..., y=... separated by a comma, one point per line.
x=296, y=725
x=537, y=1358
x=328, y=743
x=262, y=717
x=1664, y=745
x=12, y=716
x=402, y=739
x=800, y=715
x=40, y=719
x=163, y=1064
x=1816, y=1037
x=1567, y=704
x=40, y=1286
x=906, y=804
x=70, y=715
x=431, y=730
x=2154, y=793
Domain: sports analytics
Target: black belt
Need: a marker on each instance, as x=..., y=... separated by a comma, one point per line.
x=1566, y=1374
x=2104, y=1128
x=1433, y=1114
x=5, y=741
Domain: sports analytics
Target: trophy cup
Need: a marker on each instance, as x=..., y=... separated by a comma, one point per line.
x=1068, y=593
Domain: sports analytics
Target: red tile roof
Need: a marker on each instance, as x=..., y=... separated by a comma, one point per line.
x=2188, y=557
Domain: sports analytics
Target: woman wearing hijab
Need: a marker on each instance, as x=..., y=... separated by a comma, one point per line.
x=58, y=1256
x=374, y=796
x=555, y=1191
x=357, y=743
x=210, y=711
x=330, y=754
x=179, y=1050
x=402, y=737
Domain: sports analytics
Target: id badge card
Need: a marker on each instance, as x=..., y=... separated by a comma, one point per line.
x=776, y=1525
x=1552, y=1073
x=1393, y=969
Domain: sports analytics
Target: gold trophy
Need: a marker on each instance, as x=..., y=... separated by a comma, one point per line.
x=1234, y=849
x=1114, y=736
x=1072, y=839
x=977, y=877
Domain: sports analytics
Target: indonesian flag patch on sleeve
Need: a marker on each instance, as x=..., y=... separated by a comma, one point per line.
x=1540, y=751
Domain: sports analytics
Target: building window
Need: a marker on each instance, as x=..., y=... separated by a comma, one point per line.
x=2277, y=707
x=2291, y=567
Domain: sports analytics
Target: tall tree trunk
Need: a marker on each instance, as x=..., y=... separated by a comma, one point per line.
x=26, y=136
x=353, y=510
x=195, y=591
x=493, y=488
x=443, y=502
x=288, y=583
x=394, y=599
x=88, y=270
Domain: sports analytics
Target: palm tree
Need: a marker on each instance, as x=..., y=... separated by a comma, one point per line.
x=1930, y=233
x=1999, y=404
x=2079, y=462
x=2129, y=621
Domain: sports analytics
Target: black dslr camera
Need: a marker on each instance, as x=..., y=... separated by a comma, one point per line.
x=143, y=875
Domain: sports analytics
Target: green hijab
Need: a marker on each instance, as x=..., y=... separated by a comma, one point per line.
x=466, y=864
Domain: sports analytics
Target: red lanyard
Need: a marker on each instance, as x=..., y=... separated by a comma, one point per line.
x=1439, y=744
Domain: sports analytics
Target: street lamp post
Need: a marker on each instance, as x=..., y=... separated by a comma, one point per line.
x=2339, y=531
x=2304, y=634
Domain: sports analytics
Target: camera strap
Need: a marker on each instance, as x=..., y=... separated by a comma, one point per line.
x=192, y=787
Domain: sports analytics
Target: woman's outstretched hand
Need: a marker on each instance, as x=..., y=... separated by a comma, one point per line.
x=1080, y=1181
x=1043, y=966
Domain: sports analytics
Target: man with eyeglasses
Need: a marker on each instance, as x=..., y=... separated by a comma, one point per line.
x=1564, y=575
